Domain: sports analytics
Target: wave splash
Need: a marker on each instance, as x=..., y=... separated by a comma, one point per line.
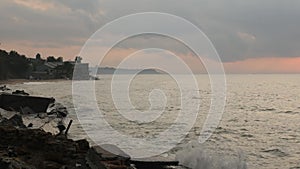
x=195, y=157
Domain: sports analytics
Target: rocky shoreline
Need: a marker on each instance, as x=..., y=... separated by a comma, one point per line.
x=32, y=145
x=31, y=140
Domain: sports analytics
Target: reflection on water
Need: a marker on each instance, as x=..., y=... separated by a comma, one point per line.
x=261, y=117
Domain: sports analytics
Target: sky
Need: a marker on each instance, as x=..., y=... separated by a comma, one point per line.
x=251, y=36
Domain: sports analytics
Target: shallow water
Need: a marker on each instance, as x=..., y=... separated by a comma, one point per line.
x=261, y=118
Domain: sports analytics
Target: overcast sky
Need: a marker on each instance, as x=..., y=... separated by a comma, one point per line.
x=245, y=30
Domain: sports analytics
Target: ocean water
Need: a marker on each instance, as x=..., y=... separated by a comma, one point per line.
x=260, y=126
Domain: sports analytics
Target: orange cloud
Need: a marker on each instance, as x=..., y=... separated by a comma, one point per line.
x=264, y=65
x=28, y=49
x=116, y=55
x=35, y=4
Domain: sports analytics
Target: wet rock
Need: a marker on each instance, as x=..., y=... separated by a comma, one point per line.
x=4, y=88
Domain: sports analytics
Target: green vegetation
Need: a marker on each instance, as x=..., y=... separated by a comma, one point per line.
x=16, y=66
x=13, y=65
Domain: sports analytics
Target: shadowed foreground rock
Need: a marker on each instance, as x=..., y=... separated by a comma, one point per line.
x=112, y=159
x=36, y=149
x=23, y=148
x=32, y=148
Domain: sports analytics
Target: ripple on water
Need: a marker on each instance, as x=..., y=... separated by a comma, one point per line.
x=276, y=152
x=289, y=112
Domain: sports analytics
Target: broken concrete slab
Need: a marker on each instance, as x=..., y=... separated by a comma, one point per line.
x=17, y=102
x=15, y=120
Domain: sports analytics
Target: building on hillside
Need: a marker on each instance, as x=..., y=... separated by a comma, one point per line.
x=81, y=70
x=59, y=70
x=46, y=70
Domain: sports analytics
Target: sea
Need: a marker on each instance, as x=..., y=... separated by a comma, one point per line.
x=259, y=128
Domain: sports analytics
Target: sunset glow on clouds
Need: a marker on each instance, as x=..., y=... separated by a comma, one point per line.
x=35, y=4
x=264, y=65
x=115, y=56
x=245, y=43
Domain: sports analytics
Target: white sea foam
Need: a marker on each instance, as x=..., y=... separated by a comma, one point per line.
x=36, y=83
x=194, y=156
x=261, y=117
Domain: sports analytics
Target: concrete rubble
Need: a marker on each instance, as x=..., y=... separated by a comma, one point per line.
x=34, y=138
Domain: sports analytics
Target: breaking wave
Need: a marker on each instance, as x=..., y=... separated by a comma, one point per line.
x=195, y=157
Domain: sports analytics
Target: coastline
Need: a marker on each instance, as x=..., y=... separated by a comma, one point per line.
x=20, y=81
x=40, y=140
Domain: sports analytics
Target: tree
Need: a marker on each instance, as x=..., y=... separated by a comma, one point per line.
x=51, y=59
x=38, y=56
x=60, y=59
x=3, y=65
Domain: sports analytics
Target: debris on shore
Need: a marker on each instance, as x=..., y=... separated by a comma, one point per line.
x=4, y=88
x=19, y=100
x=33, y=136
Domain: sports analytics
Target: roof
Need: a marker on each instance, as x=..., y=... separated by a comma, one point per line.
x=53, y=65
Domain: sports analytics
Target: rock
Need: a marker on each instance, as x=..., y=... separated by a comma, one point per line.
x=58, y=109
x=42, y=115
x=109, y=151
x=13, y=163
x=16, y=121
x=20, y=92
x=17, y=102
x=51, y=113
x=108, y=156
x=4, y=163
x=36, y=149
x=7, y=114
x=51, y=165
x=11, y=152
x=30, y=125
x=61, y=127
x=62, y=113
x=82, y=145
x=94, y=160
x=4, y=88
x=26, y=110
